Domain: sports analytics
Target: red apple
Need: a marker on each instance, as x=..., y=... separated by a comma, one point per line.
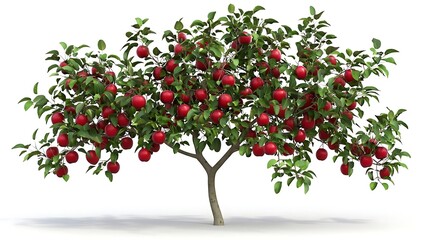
x=113, y=167
x=300, y=136
x=273, y=129
x=169, y=80
x=170, y=65
x=91, y=157
x=224, y=100
x=142, y=51
x=348, y=76
x=332, y=60
x=228, y=80
x=111, y=130
x=279, y=94
x=52, y=152
x=185, y=98
x=63, y=140
x=72, y=156
x=201, y=94
x=68, y=82
x=288, y=150
x=81, y=119
x=321, y=154
x=256, y=83
x=138, y=102
x=182, y=110
x=348, y=114
x=385, y=173
x=218, y=74
x=270, y=148
x=216, y=115
x=308, y=122
x=289, y=124
x=246, y=92
x=258, y=150
x=365, y=161
x=328, y=106
x=324, y=135
x=167, y=96
x=352, y=106
x=381, y=152
x=263, y=119
x=155, y=147
x=203, y=65
x=126, y=143
x=144, y=155
x=178, y=49
x=158, y=137
x=301, y=72
x=333, y=146
x=123, y=120
x=57, y=118
x=344, y=169
x=245, y=39
x=107, y=111
x=103, y=144
x=276, y=55
x=181, y=37
x=62, y=171
x=339, y=81
x=158, y=73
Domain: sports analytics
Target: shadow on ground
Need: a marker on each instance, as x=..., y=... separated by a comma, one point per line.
x=140, y=223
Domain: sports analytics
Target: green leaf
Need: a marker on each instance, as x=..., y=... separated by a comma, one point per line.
x=385, y=185
x=258, y=8
x=290, y=180
x=24, y=99
x=109, y=175
x=139, y=22
x=278, y=186
x=376, y=43
x=198, y=23
x=373, y=185
x=28, y=104
x=390, y=60
x=389, y=51
x=101, y=45
x=303, y=165
x=20, y=145
x=63, y=45
x=35, y=87
x=312, y=10
x=211, y=15
x=34, y=134
x=216, y=144
x=79, y=107
x=231, y=8
x=66, y=177
x=271, y=163
x=178, y=26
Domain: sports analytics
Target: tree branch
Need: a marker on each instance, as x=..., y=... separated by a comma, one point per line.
x=192, y=155
x=199, y=154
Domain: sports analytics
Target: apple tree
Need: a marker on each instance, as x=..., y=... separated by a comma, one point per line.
x=237, y=81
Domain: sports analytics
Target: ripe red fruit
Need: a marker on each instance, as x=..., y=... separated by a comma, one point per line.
x=270, y=148
x=101, y=124
x=155, y=147
x=246, y=92
x=167, y=96
x=344, y=169
x=113, y=167
x=279, y=94
x=70, y=109
x=144, y=155
x=170, y=65
x=339, y=81
x=348, y=76
x=158, y=137
x=123, y=120
x=308, y=122
x=81, y=119
x=251, y=134
x=103, y=144
x=333, y=146
x=328, y=106
x=62, y=171
x=52, y=152
x=201, y=94
x=263, y=119
x=365, y=161
x=216, y=115
x=224, y=100
x=385, y=173
x=185, y=98
x=182, y=110
x=169, y=80
x=178, y=49
x=126, y=143
x=228, y=80
x=181, y=37
x=321, y=154
x=111, y=88
x=203, y=65
x=348, y=114
x=218, y=74
x=332, y=60
x=300, y=136
x=157, y=73
x=106, y=112
x=276, y=55
x=63, y=64
x=142, y=52
x=258, y=150
x=91, y=157
x=273, y=129
x=245, y=39
x=72, y=156
x=111, y=130
x=275, y=72
x=264, y=67
x=352, y=106
x=309, y=100
x=57, y=118
x=381, y=152
x=138, y=102
x=288, y=149
x=256, y=83
x=289, y=124
x=324, y=135
x=63, y=140
x=68, y=82
x=301, y=72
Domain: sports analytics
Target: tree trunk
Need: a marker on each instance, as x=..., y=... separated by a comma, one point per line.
x=217, y=214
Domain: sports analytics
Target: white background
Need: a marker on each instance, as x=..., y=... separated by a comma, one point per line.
x=166, y=198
